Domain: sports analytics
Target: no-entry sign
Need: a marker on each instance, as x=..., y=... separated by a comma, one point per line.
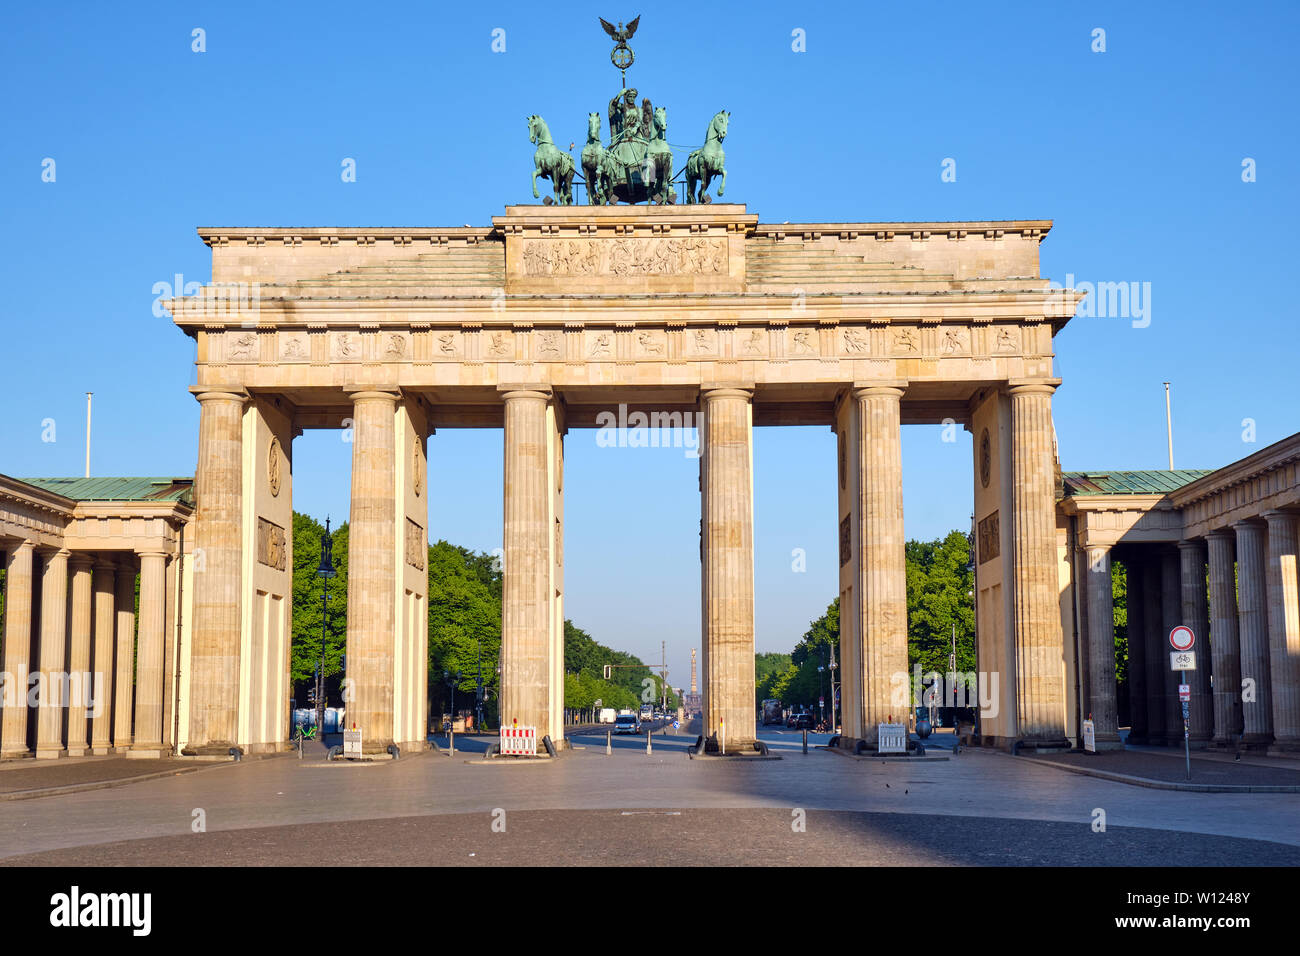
x=1181, y=638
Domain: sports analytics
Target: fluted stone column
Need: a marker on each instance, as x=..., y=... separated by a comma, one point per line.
x=147, y=739
x=526, y=600
x=218, y=537
x=1137, y=649
x=101, y=667
x=1252, y=620
x=1101, y=650
x=1037, y=627
x=372, y=567
x=1081, y=650
x=1283, y=629
x=124, y=657
x=727, y=504
x=1196, y=615
x=1171, y=615
x=80, y=679
x=1224, y=640
x=1157, y=660
x=54, y=633
x=17, y=647
x=882, y=570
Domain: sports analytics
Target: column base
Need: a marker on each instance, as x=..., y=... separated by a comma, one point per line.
x=101, y=750
x=49, y=753
x=1286, y=747
x=1256, y=742
x=77, y=751
x=147, y=752
x=738, y=746
x=15, y=754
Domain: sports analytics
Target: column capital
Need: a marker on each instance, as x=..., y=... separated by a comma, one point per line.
x=20, y=544
x=219, y=393
x=103, y=563
x=708, y=392
x=525, y=390
x=1220, y=533
x=1277, y=514
x=892, y=389
x=373, y=393
x=1021, y=386
x=1189, y=544
x=81, y=559
x=1248, y=524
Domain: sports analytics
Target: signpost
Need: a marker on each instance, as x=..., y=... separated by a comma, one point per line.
x=1089, y=736
x=1183, y=659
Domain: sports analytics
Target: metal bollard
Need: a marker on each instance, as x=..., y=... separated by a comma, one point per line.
x=805, y=740
x=609, y=747
x=451, y=741
x=648, y=735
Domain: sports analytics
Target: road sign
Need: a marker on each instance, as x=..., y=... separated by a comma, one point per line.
x=1185, y=713
x=821, y=701
x=1182, y=660
x=676, y=724
x=1181, y=638
x=1184, y=691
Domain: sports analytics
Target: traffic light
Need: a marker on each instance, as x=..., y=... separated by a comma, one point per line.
x=609, y=671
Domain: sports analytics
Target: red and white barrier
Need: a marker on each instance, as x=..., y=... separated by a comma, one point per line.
x=519, y=741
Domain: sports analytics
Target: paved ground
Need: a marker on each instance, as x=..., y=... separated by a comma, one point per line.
x=683, y=837
x=977, y=807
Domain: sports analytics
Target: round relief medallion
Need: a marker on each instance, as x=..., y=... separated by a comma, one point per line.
x=273, y=466
x=986, y=459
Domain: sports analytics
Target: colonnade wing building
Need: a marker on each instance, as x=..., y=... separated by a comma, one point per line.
x=1212, y=550
x=547, y=321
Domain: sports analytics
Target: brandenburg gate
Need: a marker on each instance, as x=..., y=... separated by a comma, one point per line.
x=539, y=323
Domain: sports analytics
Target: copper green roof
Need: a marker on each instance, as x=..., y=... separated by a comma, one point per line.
x=1129, y=482
x=118, y=489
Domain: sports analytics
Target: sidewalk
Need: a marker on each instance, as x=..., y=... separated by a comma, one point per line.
x=1166, y=769
x=25, y=779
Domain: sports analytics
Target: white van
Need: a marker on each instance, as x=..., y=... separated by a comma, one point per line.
x=607, y=715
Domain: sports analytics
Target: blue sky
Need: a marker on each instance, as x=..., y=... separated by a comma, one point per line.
x=1135, y=152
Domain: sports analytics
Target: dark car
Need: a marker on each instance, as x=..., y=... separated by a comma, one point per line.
x=804, y=721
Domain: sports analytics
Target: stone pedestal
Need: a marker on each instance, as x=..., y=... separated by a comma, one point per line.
x=372, y=568
x=218, y=525
x=1283, y=630
x=147, y=739
x=1103, y=693
x=1040, y=694
x=727, y=529
x=50, y=711
x=17, y=648
x=80, y=680
x=1252, y=621
x=1225, y=644
x=101, y=724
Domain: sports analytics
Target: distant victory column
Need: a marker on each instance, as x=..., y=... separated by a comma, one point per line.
x=694, y=688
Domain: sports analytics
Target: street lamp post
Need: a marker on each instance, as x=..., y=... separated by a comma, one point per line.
x=821, y=692
x=325, y=571
x=478, y=690
x=452, y=680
